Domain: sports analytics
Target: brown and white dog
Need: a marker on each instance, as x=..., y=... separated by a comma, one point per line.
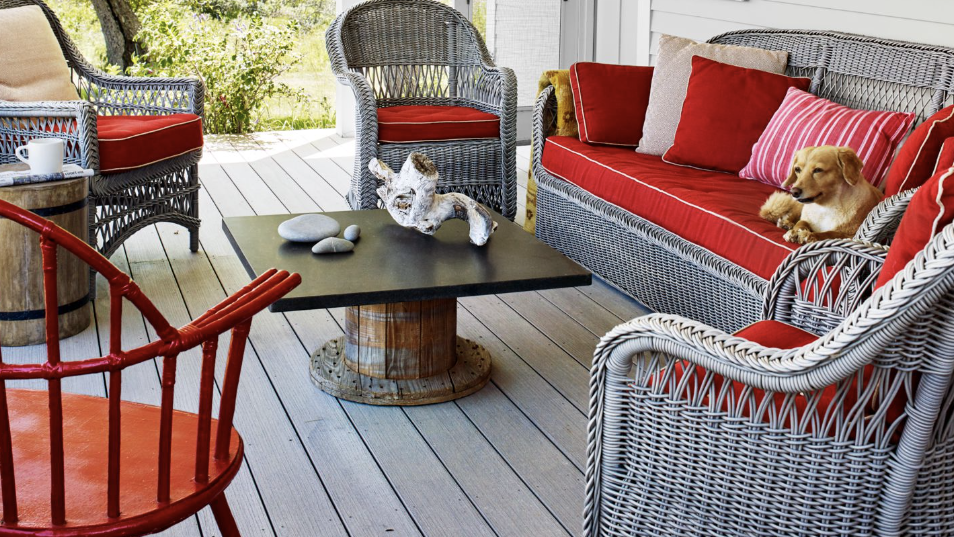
x=828, y=197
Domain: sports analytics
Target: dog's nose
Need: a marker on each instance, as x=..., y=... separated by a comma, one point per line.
x=796, y=192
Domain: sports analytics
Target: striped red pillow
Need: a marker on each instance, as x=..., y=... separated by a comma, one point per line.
x=805, y=120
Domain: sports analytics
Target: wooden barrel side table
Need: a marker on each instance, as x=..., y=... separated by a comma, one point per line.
x=401, y=353
x=21, y=267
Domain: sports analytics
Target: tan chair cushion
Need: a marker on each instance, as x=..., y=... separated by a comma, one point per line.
x=32, y=66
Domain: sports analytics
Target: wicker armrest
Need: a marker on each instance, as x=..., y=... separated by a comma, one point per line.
x=544, y=118
x=883, y=220
x=497, y=90
x=651, y=341
x=366, y=117
x=73, y=121
x=127, y=95
x=821, y=283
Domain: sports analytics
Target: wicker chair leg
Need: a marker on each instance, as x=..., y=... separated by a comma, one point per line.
x=194, y=209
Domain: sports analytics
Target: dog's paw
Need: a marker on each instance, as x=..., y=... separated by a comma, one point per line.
x=799, y=236
x=785, y=222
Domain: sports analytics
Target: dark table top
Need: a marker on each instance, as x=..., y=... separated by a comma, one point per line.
x=394, y=264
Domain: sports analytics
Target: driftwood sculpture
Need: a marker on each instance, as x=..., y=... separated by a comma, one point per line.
x=412, y=199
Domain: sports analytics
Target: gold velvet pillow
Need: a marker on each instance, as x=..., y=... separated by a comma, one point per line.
x=32, y=66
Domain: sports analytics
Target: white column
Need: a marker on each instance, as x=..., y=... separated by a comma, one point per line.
x=344, y=98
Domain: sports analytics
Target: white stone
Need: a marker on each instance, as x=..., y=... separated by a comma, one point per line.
x=309, y=228
x=332, y=245
x=352, y=232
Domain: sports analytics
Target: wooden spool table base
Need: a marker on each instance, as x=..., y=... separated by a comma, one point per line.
x=469, y=375
x=403, y=353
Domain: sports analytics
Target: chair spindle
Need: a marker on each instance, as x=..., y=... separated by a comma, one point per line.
x=165, y=427
x=115, y=401
x=8, y=482
x=50, y=295
x=204, y=434
x=233, y=369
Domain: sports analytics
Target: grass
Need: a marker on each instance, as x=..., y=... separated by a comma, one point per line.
x=313, y=76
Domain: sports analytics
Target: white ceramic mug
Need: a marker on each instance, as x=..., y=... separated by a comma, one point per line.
x=45, y=155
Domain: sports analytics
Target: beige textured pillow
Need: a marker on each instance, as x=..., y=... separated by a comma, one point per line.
x=32, y=66
x=671, y=78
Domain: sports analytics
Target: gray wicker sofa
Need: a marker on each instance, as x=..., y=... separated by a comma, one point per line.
x=670, y=274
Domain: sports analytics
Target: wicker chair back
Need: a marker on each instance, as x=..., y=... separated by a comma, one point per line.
x=414, y=52
x=860, y=71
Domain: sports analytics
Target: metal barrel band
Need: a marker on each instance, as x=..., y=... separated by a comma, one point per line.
x=30, y=315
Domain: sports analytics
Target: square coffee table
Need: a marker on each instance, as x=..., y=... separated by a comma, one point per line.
x=400, y=288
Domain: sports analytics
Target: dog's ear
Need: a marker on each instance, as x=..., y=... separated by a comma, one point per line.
x=850, y=165
x=792, y=176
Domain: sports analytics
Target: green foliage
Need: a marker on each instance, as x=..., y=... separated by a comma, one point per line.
x=240, y=61
x=180, y=32
x=223, y=9
x=79, y=20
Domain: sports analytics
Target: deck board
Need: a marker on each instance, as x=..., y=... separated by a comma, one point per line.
x=507, y=460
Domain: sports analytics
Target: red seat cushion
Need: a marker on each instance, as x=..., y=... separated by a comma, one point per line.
x=610, y=101
x=130, y=142
x=717, y=211
x=776, y=334
x=408, y=124
x=725, y=111
x=917, y=156
x=85, y=428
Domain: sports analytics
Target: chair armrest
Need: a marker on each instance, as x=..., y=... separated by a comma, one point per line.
x=821, y=283
x=128, y=95
x=73, y=121
x=496, y=90
x=883, y=220
x=658, y=339
x=544, y=118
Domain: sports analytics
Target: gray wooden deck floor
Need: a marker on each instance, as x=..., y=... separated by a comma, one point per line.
x=506, y=461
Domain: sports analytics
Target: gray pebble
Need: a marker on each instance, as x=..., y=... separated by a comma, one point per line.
x=352, y=232
x=309, y=228
x=332, y=245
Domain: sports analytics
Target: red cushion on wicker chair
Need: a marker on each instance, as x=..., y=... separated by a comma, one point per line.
x=776, y=334
x=717, y=211
x=610, y=101
x=130, y=142
x=913, y=165
x=725, y=111
x=784, y=336
x=945, y=158
x=931, y=208
x=409, y=124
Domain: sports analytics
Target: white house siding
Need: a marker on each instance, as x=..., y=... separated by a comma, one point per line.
x=627, y=31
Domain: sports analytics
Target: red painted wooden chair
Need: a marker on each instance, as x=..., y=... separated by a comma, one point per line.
x=75, y=465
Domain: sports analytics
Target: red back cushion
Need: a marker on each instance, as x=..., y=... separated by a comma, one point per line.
x=945, y=158
x=725, y=111
x=930, y=210
x=805, y=120
x=916, y=158
x=610, y=101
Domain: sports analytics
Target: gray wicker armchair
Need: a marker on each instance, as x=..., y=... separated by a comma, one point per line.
x=852, y=434
x=422, y=52
x=125, y=202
